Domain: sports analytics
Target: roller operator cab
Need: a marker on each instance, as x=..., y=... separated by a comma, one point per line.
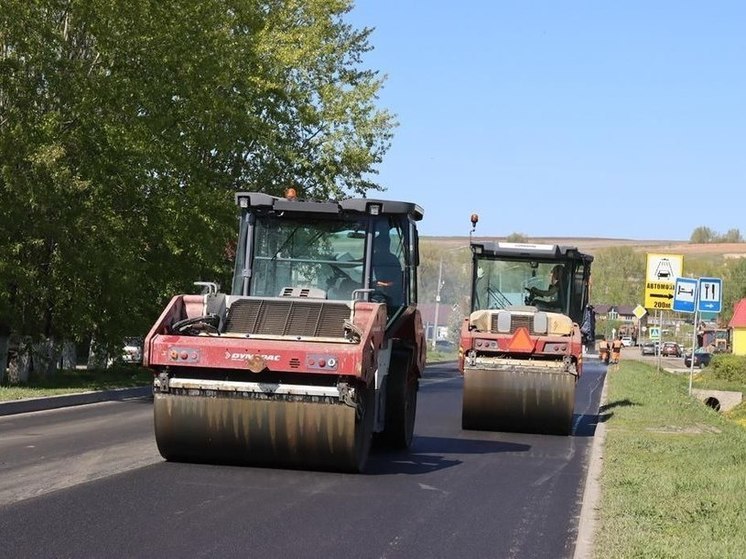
x=521, y=346
x=318, y=345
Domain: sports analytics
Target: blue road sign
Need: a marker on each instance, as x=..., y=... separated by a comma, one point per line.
x=684, y=295
x=710, y=295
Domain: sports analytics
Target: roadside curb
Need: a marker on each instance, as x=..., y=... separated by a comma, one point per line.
x=66, y=400
x=584, y=543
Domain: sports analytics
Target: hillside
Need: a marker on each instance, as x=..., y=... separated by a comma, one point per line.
x=591, y=244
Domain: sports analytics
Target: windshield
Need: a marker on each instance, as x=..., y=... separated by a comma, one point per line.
x=501, y=283
x=323, y=256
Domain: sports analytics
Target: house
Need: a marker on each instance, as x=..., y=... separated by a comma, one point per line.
x=629, y=323
x=737, y=325
x=446, y=316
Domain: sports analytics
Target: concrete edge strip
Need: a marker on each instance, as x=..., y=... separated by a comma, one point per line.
x=66, y=400
x=592, y=491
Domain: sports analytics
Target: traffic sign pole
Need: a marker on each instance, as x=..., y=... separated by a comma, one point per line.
x=660, y=338
x=694, y=336
x=694, y=343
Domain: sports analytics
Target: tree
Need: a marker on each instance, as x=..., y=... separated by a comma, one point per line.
x=618, y=276
x=734, y=285
x=732, y=236
x=702, y=235
x=455, y=277
x=516, y=238
x=706, y=235
x=126, y=128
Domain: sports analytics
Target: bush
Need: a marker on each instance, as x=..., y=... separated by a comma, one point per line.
x=728, y=367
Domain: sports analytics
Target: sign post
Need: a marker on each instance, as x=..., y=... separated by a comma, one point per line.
x=685, y=294
x=660, y=276
x=710, y=295
x=694, y=345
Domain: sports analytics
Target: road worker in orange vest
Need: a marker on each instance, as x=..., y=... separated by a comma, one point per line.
x=604, y=350
x=616, y=350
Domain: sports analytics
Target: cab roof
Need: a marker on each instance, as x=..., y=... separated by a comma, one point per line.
x=371, y=206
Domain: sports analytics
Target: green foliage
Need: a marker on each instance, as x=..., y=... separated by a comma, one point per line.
x=728, y=367
x=734, y=284
x=516, y=238
x=453, y=265
x=732, y=236
x=706, y=235
x=702, y=235
x=125, y=129
x=618, y=276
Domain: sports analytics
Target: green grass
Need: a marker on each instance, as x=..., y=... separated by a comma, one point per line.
x=69, y=382
x=674, y=473
x=439, y=356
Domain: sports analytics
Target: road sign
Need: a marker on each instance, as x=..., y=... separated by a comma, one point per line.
x=685, y=294
x=660, y=277
x=654, y=333
x=639, y=311
x=710, y=295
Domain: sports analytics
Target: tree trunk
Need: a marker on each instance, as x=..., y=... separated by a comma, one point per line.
x=19, y=366
x=69, y=357
x=45, y=355
x=4, y=346
x=96, y=356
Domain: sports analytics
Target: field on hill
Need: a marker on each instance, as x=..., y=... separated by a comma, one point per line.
x=592, y=244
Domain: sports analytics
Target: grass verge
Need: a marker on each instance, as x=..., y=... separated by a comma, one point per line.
x=673, y=480
x=438, y=356
x=70, y=382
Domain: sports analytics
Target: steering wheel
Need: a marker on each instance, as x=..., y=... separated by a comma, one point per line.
x=529, y=300
x=197, y=324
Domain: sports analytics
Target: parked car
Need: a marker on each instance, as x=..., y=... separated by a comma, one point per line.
x=702, y=358
x=131, y=353
x=627, y=341
x=649, y=348
x=671, y=349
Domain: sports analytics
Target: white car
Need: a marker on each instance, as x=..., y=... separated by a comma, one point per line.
x=131, y=352
x=626, y=341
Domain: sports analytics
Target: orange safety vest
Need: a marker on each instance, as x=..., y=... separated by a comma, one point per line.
x=616, y=346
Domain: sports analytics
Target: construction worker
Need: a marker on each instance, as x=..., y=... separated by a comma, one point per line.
x=616, y=350
x=604, y=350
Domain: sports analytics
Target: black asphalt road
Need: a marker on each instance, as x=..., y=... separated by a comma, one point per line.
x=455, y=494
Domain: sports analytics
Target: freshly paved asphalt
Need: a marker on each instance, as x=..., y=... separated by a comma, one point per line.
x=586, y=528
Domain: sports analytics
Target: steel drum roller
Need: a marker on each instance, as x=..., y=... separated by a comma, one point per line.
x=263, y=431
x=526, y=401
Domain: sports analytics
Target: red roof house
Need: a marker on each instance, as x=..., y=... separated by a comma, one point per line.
x=737, y=325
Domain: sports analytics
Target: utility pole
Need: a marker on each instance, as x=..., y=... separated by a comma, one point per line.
x=437, y=302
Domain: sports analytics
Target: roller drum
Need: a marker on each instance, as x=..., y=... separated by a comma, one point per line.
x=295, y=434
x=516, y=400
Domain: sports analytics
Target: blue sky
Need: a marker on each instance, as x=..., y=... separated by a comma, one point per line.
x=564, y=118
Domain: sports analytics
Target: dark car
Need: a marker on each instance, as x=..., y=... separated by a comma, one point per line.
x=648, y=348
x=702, y=358
x=670, y=349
